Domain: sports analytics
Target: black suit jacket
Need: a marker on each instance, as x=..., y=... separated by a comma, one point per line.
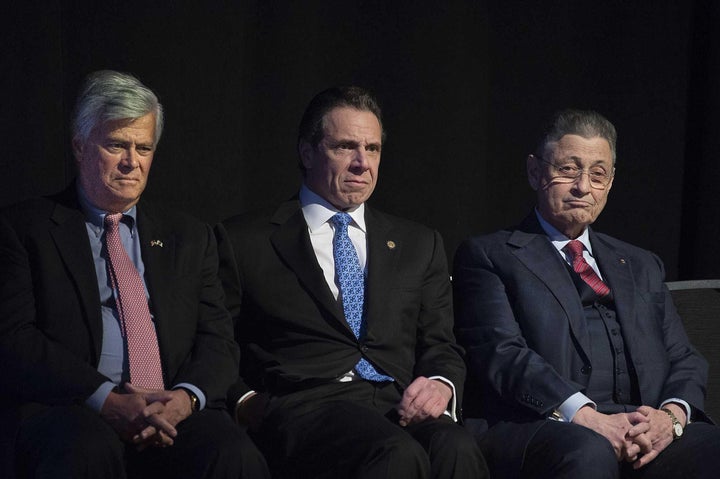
x=521, y=320
x=294, y=330
x=50, y=319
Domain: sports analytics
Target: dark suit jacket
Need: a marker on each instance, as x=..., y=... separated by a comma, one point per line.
x=294, y=330
x=50, y=319
x=520, y=318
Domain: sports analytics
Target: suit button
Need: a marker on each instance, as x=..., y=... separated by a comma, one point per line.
x=586, y=370
x=363, y=348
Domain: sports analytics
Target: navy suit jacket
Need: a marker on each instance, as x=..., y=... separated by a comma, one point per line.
x=520, y=318
x=50, y=318
x=294, y=330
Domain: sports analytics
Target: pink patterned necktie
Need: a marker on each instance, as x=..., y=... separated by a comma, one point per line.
x=575, y=249
x=135, y=320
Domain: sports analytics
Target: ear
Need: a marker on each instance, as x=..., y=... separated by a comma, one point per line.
x=612, y=178
x=533, y=171
x=77, y=147
x=306, y=151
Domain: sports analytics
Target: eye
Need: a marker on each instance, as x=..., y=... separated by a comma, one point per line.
x=144, y=150
x=598, y=174
x=114, y=146
x=568, y=170
x=373, y=148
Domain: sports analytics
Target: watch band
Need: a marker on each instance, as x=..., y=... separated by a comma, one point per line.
x=677, y=428
x=194, y=401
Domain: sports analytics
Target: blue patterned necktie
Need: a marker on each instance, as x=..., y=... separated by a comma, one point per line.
x=352, y=288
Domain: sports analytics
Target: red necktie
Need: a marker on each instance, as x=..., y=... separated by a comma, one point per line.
x=135, y=321
x=575, y=249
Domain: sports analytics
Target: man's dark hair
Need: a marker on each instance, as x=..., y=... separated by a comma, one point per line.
x=584, y=123
x=311, y=128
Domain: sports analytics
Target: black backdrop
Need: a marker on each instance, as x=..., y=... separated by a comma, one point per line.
x=464, y=86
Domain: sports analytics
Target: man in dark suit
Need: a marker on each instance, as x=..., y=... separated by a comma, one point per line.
x=117, y=350
x=581, y=361
x=353, y=369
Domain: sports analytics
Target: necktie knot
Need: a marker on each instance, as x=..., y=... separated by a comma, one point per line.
x=575, y=248
x=341, y=220
x=113, y=220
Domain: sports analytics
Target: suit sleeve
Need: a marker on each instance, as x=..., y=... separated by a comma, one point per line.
x=230, y=278
x=498, y=355
x=215, y=355
x=35, y=366
x=437, y=352
x=687, y=376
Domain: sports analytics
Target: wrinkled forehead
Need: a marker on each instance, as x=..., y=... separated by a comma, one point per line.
x=578, y=149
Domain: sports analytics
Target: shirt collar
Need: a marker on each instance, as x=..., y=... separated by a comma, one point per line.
x=559, y=239
x=96, y=216
x=318, y=211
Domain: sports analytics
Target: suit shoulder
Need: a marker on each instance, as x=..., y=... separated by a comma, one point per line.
x=29, y=214
x=409, y=226
x=251, y=222
x=172, y=220
x=630, y=250
x=487, y=240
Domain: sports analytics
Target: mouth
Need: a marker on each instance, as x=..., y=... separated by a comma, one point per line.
x=578, y=203
x=127, y=180
x=356, y=182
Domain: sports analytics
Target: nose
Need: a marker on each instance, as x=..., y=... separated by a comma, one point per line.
x=582, y=182
x=130, y=158
x=361, y=160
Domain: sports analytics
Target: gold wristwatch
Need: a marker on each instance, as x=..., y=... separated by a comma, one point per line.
x=194, y=401
x=677, y=428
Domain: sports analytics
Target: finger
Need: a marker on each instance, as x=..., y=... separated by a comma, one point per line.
x=144, y=435
x=638, y=429
x=631, y=452
x=162, y=424
x=645, y=460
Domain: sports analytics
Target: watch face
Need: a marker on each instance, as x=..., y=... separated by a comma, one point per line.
x=678, y=430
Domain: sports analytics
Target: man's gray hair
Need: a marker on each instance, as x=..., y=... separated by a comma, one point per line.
x=584, y=123
x=108, y=95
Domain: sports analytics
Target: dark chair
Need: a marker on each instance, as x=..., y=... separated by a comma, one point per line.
x=698, y=303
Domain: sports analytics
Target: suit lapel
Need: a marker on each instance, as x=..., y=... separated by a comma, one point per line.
x=69, y=230
x=384, y=249
x=617, y=273
x=158, y=249
x=292, y=243
x=537, y=253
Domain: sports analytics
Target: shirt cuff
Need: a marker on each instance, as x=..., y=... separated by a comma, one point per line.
x=567, y=410
x=196, y=390
x=452, y=407
x=682, y=403
x=97, y=399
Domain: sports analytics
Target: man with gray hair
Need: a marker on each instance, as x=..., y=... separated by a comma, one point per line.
x=116, y=346
x=580, y=361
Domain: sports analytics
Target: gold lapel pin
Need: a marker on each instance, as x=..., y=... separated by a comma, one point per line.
x=156, y=243
x=391, y=244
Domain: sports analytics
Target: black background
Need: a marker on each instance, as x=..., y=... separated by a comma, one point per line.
x=465, y=86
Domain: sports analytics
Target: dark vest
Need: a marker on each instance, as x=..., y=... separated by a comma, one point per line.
x=613, y=384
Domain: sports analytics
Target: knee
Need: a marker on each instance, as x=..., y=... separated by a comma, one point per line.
x=400, y=453
x=592, y=448
x=577, y=452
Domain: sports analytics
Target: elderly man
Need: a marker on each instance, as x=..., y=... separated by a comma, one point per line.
x=117, y=349
x=583, y=366
x=345, y=314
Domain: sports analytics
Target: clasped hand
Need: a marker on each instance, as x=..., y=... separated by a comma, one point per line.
x=637, y=437
x=146, y=417
x=422, y=399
